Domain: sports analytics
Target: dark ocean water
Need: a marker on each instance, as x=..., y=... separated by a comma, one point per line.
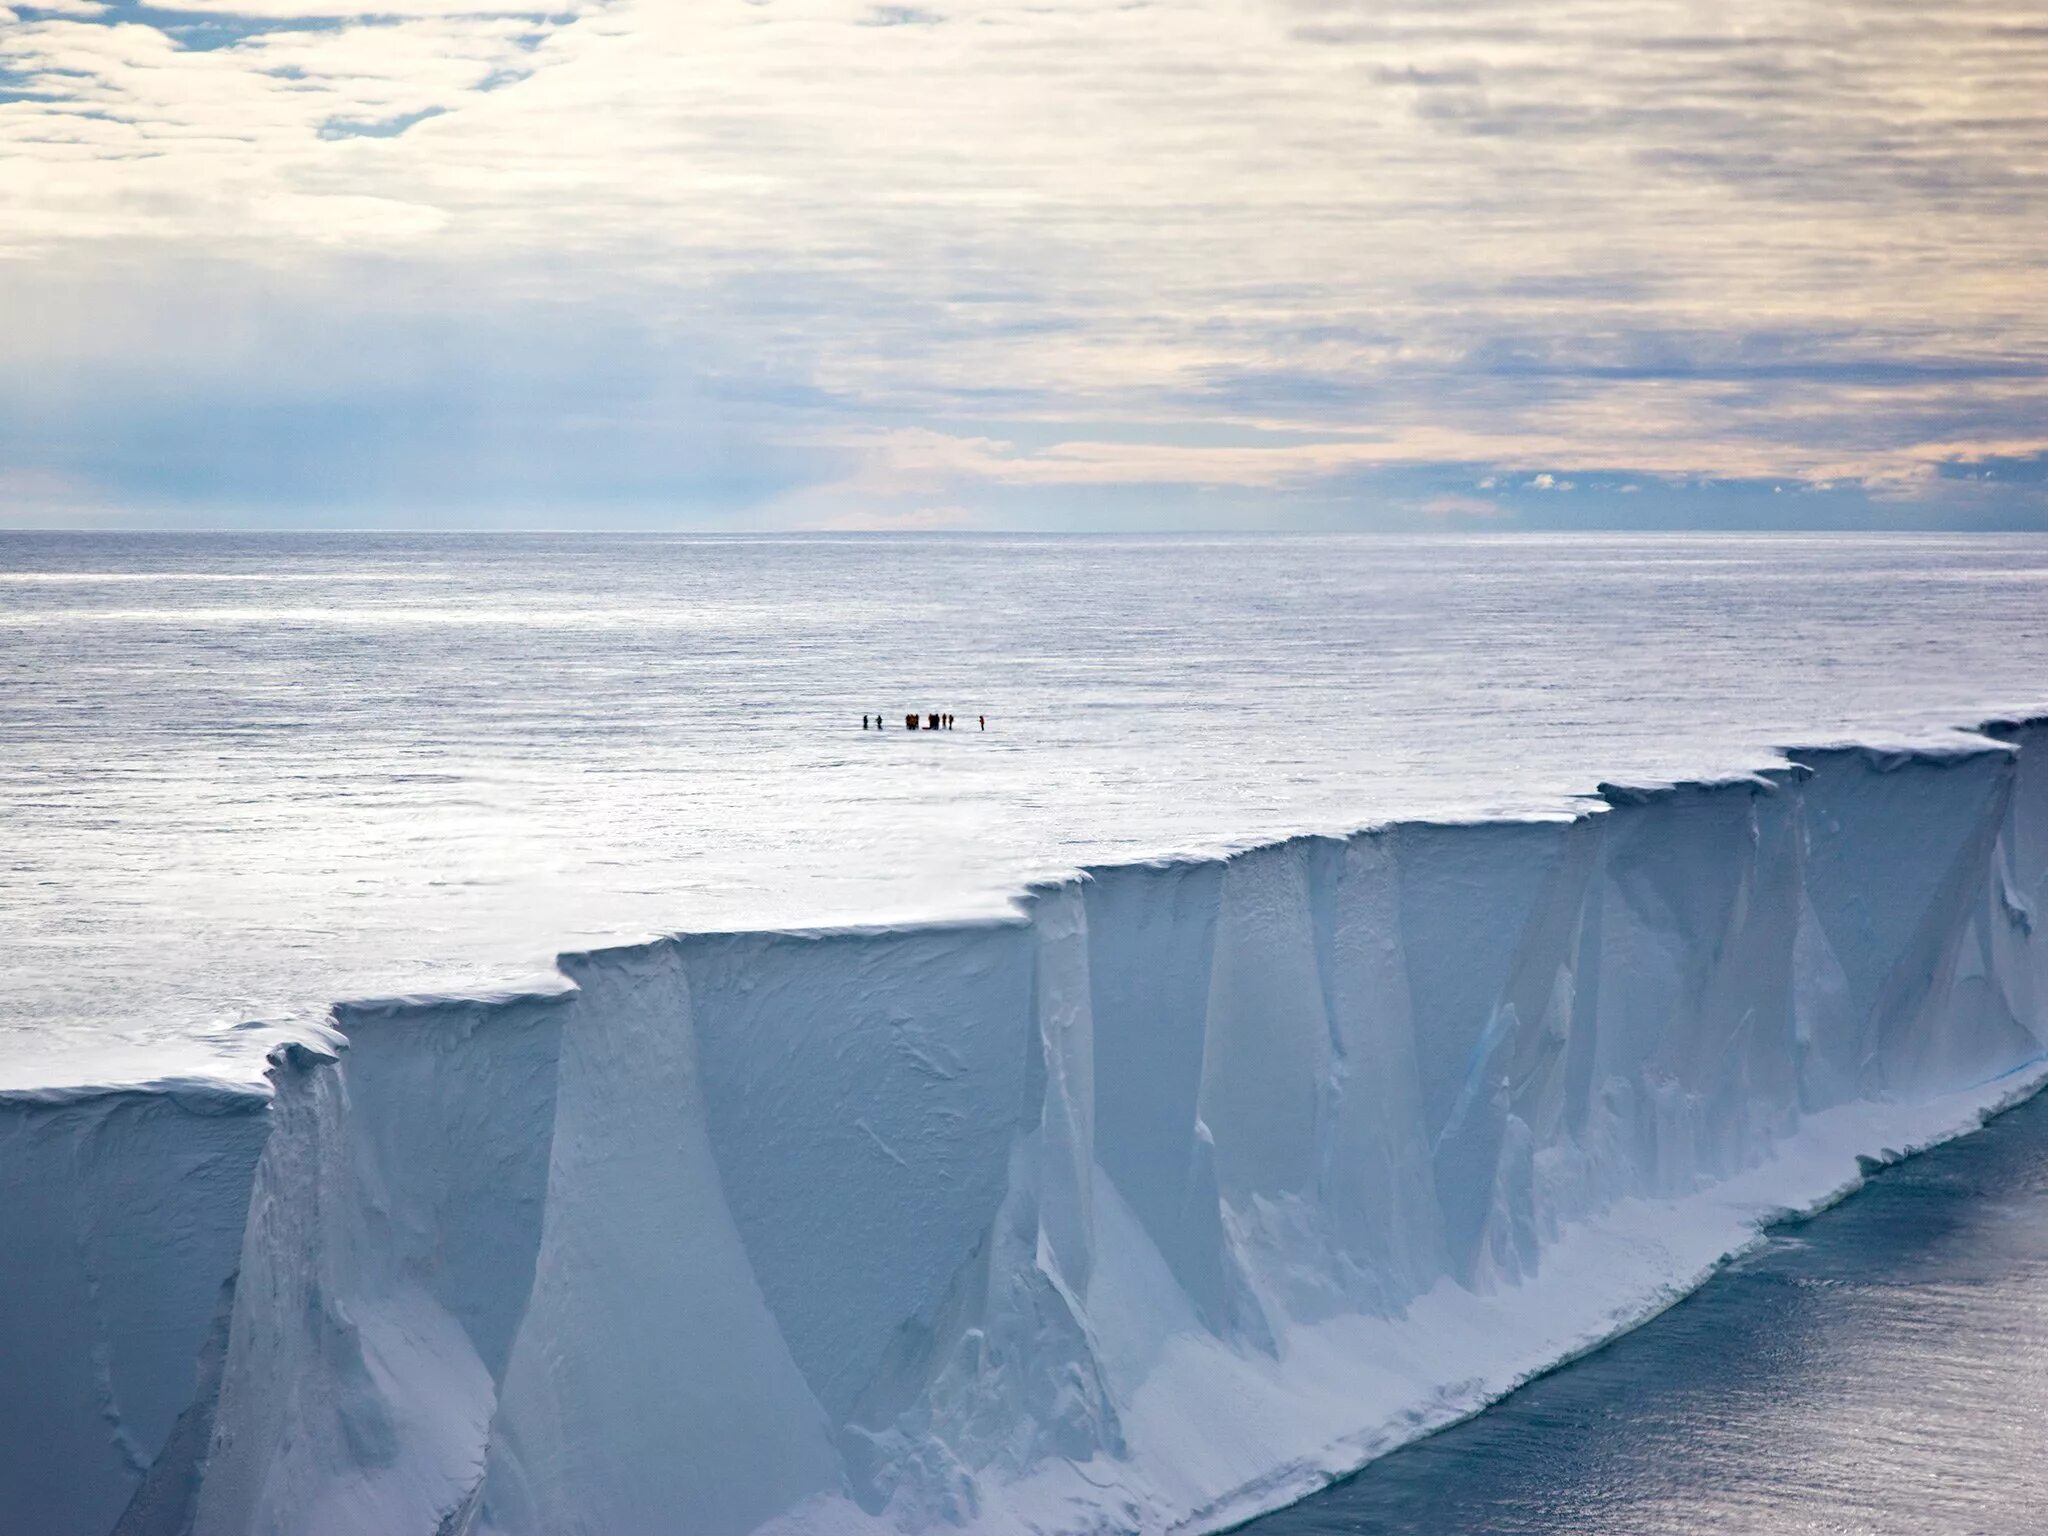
x=1881, y=1368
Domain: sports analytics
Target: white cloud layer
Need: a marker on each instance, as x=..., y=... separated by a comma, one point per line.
x=836, y=259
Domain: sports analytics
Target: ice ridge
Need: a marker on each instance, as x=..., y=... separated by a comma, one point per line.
x=1195, y=1185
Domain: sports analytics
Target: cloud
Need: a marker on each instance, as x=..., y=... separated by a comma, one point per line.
x=900, y=16
x=894, y=520
x=381, y=128
x=1450, y=508
x=1025, y=252
x=41, y=498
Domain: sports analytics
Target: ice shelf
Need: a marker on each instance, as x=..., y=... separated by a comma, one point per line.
x=1191, y=1187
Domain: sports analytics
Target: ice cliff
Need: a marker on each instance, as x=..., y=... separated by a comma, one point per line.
x=1195, y=1185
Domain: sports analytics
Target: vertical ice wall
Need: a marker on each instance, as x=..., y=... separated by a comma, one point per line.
x=1188, y=1188
x=120, y=1218
x=386, y=1268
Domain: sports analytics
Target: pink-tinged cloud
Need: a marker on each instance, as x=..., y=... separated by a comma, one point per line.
x=677, y=255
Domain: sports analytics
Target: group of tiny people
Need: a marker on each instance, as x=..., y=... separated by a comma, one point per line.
x=935, y=722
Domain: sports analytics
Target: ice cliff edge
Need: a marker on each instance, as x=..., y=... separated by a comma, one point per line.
x=1196, y=1185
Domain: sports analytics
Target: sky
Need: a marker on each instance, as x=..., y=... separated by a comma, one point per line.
x=1025, y=264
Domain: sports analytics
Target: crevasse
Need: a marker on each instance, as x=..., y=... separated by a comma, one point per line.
x=1194, y=1186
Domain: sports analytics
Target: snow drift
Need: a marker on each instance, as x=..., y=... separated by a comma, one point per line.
x=1194, y=1186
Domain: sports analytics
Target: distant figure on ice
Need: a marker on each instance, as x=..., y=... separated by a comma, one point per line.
x=863, y=722
x=931, y=722
x=984, y=721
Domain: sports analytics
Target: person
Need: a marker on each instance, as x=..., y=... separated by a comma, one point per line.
x=863, y=722
x=984, y=722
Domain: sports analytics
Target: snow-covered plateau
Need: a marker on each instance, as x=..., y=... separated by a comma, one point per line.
x=1187, y=1188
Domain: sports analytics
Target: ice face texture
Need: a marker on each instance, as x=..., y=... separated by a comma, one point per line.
x=1194, y=1186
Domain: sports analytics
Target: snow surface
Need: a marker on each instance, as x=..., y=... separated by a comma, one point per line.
x=246, y=777
x=1153, y=1205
